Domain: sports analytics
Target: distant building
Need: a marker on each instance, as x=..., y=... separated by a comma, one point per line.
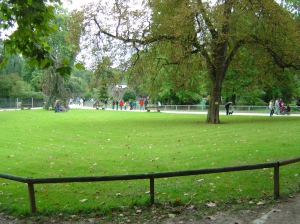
x=118, y=90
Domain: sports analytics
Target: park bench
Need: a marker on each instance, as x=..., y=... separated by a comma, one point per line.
x=148, y=108
x=29, y=106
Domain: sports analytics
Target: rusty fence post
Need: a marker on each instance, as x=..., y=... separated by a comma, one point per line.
x=151, y=190
x=276, y=180
x=31, y=197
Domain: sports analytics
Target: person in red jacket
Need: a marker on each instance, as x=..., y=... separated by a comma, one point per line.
x=141, y=104
x=121, y=104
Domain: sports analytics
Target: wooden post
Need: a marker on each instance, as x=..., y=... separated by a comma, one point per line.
x=151, y=190
x=31, y=197
x=276, y=180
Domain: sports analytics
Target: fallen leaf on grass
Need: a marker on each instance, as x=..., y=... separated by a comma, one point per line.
x=212, y=218
x=260, y=203
x=83, y=200
x=191, y=207
x=171, y=215
x=211, y=204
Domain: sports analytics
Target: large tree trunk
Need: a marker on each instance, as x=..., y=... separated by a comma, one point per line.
x=215, y=100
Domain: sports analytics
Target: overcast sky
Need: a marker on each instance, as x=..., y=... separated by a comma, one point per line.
x=76, y=3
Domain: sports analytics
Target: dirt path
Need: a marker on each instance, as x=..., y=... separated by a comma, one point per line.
x=286, y=211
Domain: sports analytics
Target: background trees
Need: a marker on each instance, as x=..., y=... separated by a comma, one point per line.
x=53, y=83
x=30, y=23
x=188, y=36
x=175, y=53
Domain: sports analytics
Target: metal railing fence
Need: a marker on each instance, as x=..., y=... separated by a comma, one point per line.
x=16, y=103
x=235, y=108
x=151, y=176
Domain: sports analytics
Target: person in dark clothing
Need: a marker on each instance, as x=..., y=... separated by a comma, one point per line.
x=56, y=106
x=227, y=107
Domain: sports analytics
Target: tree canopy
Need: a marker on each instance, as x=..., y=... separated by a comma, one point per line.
x=193, y=35
x=27, y=25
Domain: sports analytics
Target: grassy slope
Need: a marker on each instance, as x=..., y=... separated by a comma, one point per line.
x=38, y=143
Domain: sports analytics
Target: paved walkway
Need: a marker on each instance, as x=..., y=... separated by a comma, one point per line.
x=188, y=112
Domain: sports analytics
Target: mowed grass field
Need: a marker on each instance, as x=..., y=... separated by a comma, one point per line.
x=38, y=143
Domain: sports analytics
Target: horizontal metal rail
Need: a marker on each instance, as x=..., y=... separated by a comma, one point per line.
x=151, y=176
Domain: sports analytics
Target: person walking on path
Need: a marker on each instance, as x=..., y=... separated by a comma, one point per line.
x=146, y=103
x=121, y=104
x=277, y=106
x=56, y=106
x=113, y=104
x=271, y=107
x=281, y=104
x=141, y=104
x=227, y=107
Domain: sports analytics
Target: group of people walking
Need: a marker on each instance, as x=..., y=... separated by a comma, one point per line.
x=116, y=104
x=278, y=107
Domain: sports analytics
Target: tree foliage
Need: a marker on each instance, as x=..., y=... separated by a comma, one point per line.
x=77, y=86
x=105, y=77
x=28, y=25
x=129, y=96
x=53, y=85
x=7, y=83
x=13, y=65
x=54, y=88
x=195, y=35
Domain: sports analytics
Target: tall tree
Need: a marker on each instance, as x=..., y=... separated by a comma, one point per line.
x=213, y=32
x=54, y=86
x=104, y=76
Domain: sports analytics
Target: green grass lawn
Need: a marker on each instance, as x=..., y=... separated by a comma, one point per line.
x=38, y=143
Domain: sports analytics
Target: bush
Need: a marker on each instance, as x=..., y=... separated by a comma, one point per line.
x=129, y=94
